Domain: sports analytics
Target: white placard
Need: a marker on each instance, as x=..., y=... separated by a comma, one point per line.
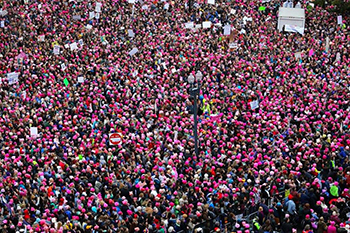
x=131, y=33
x=76, y=17
x=41, y=38
x=89, y=26
x=211, y=2
x=131, y=1
x=166, y=6
x=254, y=104
x=91, y=15
x=2, y=24
x=81, y=42
x=56, y=49
x=63, y=66
x=97, y=15
x=33, y=131
x=80, y=79
x=4, y=12
x=98, y=7
x=144, y=7
x=227, y=30
x=297, y=55
x=327, y=44
x=133, y=51
x=206, y=24
x=12, y=78
x=233, y=45
x=340, y=19
x=233, y=11
x=292, y=28
x=189, y=25
x=66, y=46
x=73, y=46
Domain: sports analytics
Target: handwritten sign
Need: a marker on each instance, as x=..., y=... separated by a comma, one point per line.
x=340, y=19
x=56, y=50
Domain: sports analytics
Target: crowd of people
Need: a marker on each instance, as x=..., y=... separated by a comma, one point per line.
x=273, y=118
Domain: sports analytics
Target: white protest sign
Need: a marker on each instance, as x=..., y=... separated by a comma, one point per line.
x=131, y=1
x=115, y=139
x=91, y=15
x=233, y=45
x=80, y=79
x=206, y=24
x=297, y=55
x=166, y=6
x=189, y=25
x=2, y=24
x=33, y=131
x=56, y=49
x=4, y=12
x=211, y=2
x=89, y=26
x=133, y=51
x=81, y=42
x=63, y=66
x=131, y=33
x=66, y=46
x=144, y=7
x=41, y=38
x=254, y=104
x=337, y=58
x=97, y=15
x=233, y=11
x=76, y=17
x=327, y=44
x=73, y=46
x=98, y=7
x=12, y=78
x=292, y=28
x=227, y=30
x=340, y=19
